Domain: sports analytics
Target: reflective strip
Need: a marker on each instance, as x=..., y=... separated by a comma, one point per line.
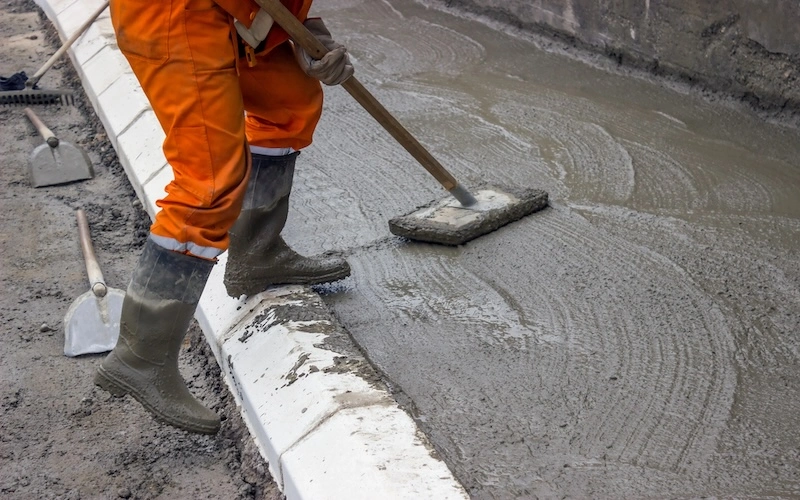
x=192, y=248
x=258, y=150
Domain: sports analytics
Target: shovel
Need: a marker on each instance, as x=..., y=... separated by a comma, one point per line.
x=56, y=162
x=91, y=324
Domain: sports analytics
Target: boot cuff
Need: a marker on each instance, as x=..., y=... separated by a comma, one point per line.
x=165, y=274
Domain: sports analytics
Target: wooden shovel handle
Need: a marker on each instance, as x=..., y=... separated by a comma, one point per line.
x=96, y=281
x=301, y=36
x=45, y=132
x=46, y=66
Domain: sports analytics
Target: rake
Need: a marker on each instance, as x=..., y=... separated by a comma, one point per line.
x=32, y=95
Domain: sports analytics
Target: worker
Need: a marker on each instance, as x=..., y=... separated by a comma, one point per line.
x=237, y=101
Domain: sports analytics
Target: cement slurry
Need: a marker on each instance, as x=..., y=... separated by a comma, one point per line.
x=637, y=338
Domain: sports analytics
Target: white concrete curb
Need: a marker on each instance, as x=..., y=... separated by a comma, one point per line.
x=326, y=431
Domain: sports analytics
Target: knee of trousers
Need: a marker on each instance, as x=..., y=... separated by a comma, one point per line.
x=198, y=211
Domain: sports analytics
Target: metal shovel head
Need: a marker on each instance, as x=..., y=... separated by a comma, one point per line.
x=59, y=165
x=92, y=323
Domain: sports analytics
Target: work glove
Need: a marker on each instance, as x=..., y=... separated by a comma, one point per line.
x=334, y=68
x=257, y=31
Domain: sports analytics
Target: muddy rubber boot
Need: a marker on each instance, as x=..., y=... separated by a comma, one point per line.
x=158, y=307
x=258, y=257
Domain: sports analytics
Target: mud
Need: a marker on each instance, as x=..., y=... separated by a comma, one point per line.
x=59, y=436
x=638, y=338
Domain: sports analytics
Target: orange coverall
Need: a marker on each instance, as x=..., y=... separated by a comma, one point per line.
x=184, y=54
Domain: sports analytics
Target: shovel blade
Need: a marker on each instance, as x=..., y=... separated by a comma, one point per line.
x=91, y=324
x=59, y=165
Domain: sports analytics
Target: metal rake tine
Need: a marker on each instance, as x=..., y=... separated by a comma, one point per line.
x=34, y=97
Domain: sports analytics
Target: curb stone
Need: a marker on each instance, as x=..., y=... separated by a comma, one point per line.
x=315, y=408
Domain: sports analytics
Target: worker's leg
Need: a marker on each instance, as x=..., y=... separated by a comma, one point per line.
x=283, y=104
x=182, y=54
x=283, y=107
x=185, y=62
x=158, y=307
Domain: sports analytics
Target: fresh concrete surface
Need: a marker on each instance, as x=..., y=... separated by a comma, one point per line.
x=326, y=429
x=637, y=339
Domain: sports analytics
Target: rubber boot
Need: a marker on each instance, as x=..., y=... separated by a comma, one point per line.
x=158, y=307
x=258, y=257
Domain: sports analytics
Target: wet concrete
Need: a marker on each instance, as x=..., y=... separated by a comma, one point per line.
x=637, y=338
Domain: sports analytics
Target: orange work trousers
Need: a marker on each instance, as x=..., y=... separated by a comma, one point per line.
x=184, y=55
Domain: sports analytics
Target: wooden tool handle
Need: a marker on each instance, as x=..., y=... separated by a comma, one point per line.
x=301, y=36
x=96, y=281
x=45, y=132
x=38, y=75
x=400, y=133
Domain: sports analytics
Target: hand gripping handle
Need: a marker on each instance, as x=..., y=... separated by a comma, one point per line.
x=301, y=36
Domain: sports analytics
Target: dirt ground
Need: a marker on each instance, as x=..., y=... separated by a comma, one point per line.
x=60, y=437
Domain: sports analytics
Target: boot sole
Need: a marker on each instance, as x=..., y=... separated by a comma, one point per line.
x=108, y=382
x=238, y=288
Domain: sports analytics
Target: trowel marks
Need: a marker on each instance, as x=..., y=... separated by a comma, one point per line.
x=648, y=160
x=639, y=338
x=566, y=348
